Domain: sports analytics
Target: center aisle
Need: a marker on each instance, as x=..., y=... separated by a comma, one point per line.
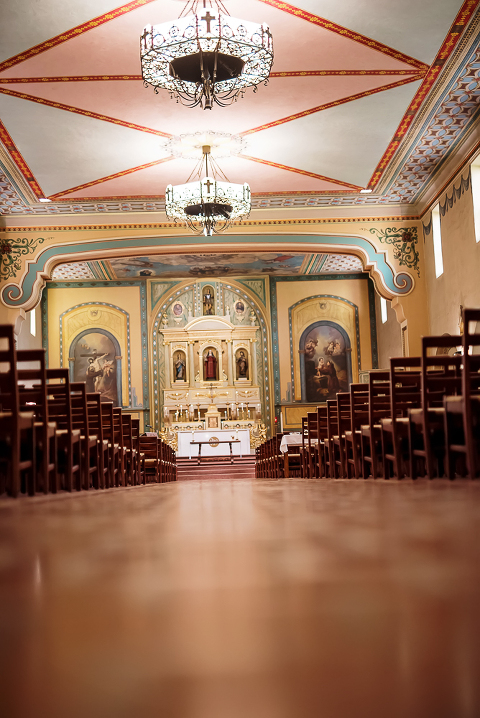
x=243, y=599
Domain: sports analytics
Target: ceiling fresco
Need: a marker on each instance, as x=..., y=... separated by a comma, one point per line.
x=209, y=265
x=349, y=82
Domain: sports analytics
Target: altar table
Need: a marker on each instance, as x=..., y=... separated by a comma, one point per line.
x=185, y=439
x=216, y=443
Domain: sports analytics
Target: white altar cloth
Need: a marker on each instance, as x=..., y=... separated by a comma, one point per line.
x=186, y=449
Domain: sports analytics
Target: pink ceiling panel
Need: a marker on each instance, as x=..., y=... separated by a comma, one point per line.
x=113, y=47
x=130, y=101
x=153, y=180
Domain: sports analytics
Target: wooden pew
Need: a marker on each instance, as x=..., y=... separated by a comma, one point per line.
x=344, y=421
x=17, y=428
x=92, y=466
x=441, y=376
x=69, y=439
x=32, y=389
x=370, y=436
x=462, y=413
x=358, y=417
x=405, y=394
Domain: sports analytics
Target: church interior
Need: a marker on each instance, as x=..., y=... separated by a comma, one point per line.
x=240, y=359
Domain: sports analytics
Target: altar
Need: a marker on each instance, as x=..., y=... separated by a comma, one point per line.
x=213, y=443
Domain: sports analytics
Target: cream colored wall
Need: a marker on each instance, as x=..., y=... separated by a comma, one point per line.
x=460, y=282
x=288, y=293
x=127, y=298
x=389, y=335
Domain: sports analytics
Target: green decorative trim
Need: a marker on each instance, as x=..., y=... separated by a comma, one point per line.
x=143, y=326
x=274, y=321
x=290, y=327
x=255, y=285
x=12, y=250
x=158, y=290
x=403, y=240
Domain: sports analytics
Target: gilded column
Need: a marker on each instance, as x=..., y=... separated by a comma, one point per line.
x=167, y=365
x=253, y=357
x=191, y=364
x=230, y=362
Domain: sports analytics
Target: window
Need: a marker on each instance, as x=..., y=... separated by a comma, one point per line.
x=475, y=173
x=383, y=309
x=33, y=323
x=437, y=241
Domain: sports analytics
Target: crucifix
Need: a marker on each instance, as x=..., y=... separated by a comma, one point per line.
x=145, y=36
x=209, y=183
x=212, y=393
x=208, y=19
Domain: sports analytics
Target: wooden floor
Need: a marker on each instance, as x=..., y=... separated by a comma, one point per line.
x=243, y=599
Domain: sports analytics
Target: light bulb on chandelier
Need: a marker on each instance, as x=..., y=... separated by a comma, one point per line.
x=208, y=206
x=206, y=57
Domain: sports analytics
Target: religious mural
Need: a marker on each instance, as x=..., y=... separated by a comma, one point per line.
x=95, y=363
x=327, y=362
x=209, y=265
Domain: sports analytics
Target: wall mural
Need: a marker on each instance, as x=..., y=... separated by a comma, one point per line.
x=95, y=363
x=327, y=365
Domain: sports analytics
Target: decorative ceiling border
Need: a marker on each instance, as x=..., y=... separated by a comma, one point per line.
x=440, y=134
x=139, y=78
x=345, y=32
x=72, y=33
x=24, y=292
x=459, y=24
x=17, y=157
x=166, y=225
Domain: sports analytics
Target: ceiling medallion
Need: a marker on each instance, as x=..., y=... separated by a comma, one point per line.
x=190, y=146
x=207, y=206
x=207, y=56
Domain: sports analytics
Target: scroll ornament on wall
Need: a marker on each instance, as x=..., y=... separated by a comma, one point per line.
x=403, y=241
x=12, y=251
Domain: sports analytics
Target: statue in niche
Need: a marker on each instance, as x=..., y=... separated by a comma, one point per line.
x=180, y=373
x=208, y=301
x=242, y=365
x=210, y=364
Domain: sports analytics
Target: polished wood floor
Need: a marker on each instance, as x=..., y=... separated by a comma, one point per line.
x=243, y=599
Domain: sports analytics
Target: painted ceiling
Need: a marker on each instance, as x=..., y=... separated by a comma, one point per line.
x=341, y=112
x=209, y=265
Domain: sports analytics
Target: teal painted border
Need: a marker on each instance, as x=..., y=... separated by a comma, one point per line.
x=143, y=328
x=17, y=295
x=274, y=322
x=154, y=302
x=262, y=344
x=119, y=309
x=290, y=328
x=246, y=283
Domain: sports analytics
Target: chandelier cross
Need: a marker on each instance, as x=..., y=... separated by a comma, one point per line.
x=209, y=184
x=208, y=18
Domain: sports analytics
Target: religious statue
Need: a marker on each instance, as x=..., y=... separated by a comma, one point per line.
x=179, y=368
x=210, y=363
x=242, y=366
x=208, y=301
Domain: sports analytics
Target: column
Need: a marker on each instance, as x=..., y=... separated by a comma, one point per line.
x=230, y=375
x=191, y=364
x=253, y=357
x=167, y=365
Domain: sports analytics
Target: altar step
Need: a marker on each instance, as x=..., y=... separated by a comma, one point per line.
x=216, y=467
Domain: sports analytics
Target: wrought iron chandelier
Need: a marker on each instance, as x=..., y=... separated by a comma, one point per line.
x=207, y=206
x=206, y=57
